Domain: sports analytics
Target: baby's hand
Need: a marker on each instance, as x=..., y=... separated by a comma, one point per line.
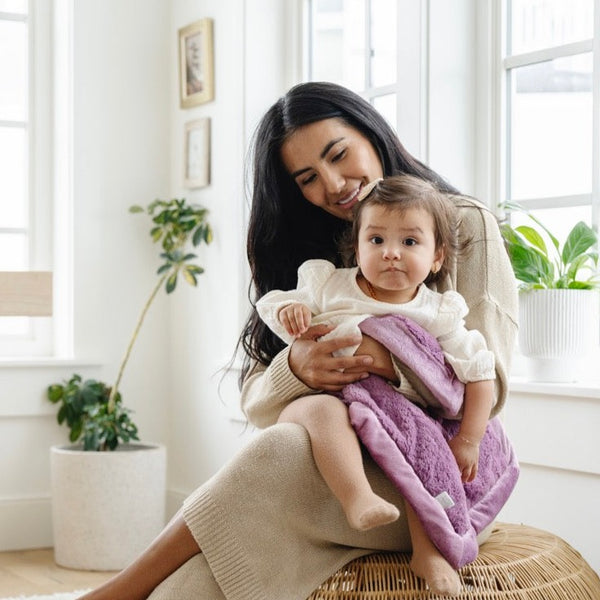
x=295, y=318
x=466, y=454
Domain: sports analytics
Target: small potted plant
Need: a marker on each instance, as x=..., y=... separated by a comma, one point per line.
x=558, y=297
x=107, y=506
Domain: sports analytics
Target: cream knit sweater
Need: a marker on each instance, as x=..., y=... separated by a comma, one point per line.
x=268, y=526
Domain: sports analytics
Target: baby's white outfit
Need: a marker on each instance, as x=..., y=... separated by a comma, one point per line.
x=334, y=297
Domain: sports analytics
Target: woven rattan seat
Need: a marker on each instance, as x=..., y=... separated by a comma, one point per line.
x=516, y=562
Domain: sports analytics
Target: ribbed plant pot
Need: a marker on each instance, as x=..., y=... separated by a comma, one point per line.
x=558, y=330
x=106, y=506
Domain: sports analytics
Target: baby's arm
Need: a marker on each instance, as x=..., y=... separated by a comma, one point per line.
x=479, y=400
x=295, y=318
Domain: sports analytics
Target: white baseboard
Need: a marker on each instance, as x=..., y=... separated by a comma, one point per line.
x=26, y=521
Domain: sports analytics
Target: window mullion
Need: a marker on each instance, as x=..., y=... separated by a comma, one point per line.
x=368, y=51
x=546, y=54
x=556, y=201
x=596, y=120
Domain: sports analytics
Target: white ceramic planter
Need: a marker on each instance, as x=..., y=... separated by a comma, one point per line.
x=557, y=330
x=106, y=506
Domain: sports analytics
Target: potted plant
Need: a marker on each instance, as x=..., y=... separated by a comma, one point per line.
x=558, y=295
x=108, y=494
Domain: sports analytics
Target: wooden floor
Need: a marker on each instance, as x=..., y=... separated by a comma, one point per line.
x=31, y=572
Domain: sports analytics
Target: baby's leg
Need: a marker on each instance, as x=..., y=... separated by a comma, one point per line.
x=338, y=457
x=427, y=562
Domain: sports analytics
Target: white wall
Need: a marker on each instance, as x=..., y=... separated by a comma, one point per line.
x=128, y=148
x=121, y=156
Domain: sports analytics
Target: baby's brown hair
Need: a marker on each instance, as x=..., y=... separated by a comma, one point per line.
x=403, y=192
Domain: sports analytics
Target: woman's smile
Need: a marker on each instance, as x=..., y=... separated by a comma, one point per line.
x=331, y=162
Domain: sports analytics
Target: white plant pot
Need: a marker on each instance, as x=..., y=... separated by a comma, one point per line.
x=558, y=330
x=106, y=506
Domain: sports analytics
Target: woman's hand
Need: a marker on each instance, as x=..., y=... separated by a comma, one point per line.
x=313, y=363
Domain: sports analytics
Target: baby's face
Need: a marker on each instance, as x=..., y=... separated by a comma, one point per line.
x=396, y=251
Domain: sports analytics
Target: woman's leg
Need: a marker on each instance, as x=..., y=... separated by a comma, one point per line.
x=338, y=457
x=192, y=581
x=427, y=562
x=173, y=547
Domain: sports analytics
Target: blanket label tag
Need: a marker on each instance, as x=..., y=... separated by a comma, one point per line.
x=445, y=500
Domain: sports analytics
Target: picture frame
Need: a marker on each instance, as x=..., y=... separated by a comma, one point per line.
x=196, y=78
x=197, y=153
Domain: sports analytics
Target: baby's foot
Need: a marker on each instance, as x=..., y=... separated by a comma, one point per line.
x=441, y=578
x=372, y=511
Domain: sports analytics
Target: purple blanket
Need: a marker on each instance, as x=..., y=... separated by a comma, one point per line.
x=411, y=446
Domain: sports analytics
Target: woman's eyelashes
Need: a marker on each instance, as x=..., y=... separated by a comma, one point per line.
x=338, y=156
x=308, y=179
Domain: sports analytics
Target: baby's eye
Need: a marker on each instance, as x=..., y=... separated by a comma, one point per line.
x=410, y=242
x=376, y=239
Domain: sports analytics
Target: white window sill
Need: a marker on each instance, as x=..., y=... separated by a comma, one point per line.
x=44, y=363
x=579, y=389
x=25, y=381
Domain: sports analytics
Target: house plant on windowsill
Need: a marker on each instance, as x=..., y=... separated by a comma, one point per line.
x=558, y=298
x=108, y=495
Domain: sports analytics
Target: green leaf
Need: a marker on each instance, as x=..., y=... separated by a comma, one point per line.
x=198, y=235
x=156, y=233
x=529, y=264
x=135, y=208
x=196, y=269
x=581, y=285
x=62, y=414
x=533, y=237
x=579, y=240
x=171, y=283
x=55, y=393
x=164, y=268
x=189, y=277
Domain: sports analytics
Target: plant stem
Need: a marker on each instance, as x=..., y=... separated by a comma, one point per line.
x=115, y=387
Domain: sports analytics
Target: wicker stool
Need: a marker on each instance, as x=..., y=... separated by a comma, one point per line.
x=516, y=562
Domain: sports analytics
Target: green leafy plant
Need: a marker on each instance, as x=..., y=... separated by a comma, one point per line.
x=91, y=409
x=84, y=409
x=539, y=261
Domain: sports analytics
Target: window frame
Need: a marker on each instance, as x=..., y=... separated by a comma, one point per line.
x=49, y=195
x=501, y=24
x=415, y=130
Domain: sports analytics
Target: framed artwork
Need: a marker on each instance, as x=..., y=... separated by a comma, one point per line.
x=197, y=153
x=196, y=63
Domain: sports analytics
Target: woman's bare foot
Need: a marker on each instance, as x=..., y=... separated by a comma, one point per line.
x=441, y=578
x=370, y=511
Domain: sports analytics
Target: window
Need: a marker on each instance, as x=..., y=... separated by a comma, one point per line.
x=354, y=43
x=14, y=127
x=25, y=161
x=551, y=70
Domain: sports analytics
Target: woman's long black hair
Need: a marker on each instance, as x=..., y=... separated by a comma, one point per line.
x=284, y=228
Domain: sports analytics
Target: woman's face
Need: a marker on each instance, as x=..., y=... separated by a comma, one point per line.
x=330, y=162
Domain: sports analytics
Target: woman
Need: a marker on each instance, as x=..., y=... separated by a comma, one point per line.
x=266, y=526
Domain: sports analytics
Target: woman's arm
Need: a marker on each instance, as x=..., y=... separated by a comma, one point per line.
x=484, y=277
x=303, y=368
